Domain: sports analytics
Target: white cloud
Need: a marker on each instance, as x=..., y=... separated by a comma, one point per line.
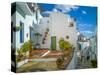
x=85, y=25
x=66, y=8
x=84, y=12
x=87, y=32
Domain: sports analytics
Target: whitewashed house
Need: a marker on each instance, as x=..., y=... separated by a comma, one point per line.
x=52, y=28
x=60, y=26
x=23, y=20
x=57, y=25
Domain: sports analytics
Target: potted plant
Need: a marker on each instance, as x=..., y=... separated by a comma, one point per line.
x=65, y=46
x=46, y=32
x=20, y=55
x=24, y=53
x=31, y=47
x=60, y=62
x=27, y=46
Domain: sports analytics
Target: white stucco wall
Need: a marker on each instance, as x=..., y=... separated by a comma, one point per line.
x=44, y=24
x=28, y=20
x=58, y=26
x=61, y=29
x=28, y=23
x=18, y=19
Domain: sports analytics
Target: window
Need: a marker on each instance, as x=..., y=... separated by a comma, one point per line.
x=71, y=24
x=21, y=32
x=67, y=37
x=44, y=39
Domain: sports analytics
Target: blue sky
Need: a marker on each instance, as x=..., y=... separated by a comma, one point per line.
x=86, y=17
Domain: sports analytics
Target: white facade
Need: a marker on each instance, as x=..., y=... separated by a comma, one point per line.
x=59, y=25
x=44, y=25
x=22, y=14
x=27, y=21
x=19, y=19
x=61, y=28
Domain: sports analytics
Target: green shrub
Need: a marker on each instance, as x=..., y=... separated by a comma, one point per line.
x=64, y=45
x=19, y=52
x=27, y=46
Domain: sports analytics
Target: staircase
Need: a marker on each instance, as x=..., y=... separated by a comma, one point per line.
x=45, y=36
